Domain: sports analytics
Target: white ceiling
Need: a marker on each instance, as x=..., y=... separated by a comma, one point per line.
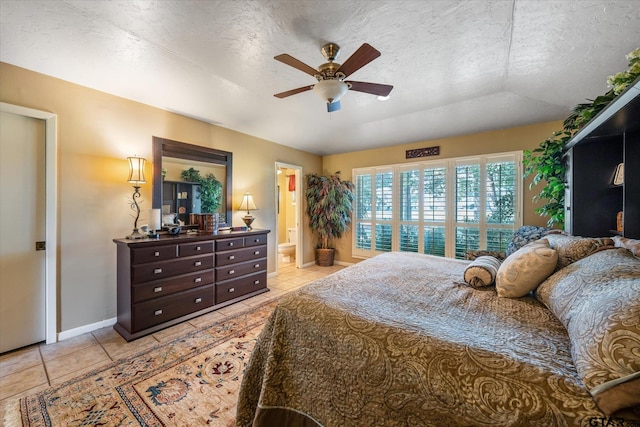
x=457, y=67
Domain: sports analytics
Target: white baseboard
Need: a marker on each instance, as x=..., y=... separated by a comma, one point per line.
x=65, y=335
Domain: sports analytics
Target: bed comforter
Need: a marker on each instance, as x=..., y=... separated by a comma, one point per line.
x=400, y=340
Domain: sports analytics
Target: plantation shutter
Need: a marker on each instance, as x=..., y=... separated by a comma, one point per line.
x=435, y=210
x=439, y=208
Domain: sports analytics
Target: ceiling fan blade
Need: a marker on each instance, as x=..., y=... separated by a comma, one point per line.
x=361, y=57
x=372, y=88
x=293, y=91
x=293, y=62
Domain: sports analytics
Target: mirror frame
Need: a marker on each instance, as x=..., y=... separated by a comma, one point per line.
x=166, y=147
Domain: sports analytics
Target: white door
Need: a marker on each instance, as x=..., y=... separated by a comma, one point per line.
x=22, y=224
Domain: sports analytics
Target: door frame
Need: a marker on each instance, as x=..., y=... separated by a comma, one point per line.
x=51, y=219
x=298, y=210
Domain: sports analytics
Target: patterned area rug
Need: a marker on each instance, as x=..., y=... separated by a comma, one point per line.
x=192, y=380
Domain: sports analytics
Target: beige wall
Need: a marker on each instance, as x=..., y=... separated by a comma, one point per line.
x=504, y=140
x=96, y=133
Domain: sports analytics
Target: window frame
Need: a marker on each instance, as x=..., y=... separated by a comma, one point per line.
x=450, y=222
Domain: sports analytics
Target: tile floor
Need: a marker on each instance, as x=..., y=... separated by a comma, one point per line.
x=34, y=368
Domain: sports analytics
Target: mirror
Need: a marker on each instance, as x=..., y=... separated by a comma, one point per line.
x=190, y=179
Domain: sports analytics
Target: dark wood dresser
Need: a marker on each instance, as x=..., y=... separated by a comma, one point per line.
x=165, y=281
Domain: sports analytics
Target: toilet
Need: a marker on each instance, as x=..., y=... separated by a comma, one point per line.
x=288, y=250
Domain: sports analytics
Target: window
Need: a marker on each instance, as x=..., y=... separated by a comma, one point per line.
x=439, y=208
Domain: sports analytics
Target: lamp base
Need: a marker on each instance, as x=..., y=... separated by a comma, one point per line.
x=135, y=235
x=248, y=219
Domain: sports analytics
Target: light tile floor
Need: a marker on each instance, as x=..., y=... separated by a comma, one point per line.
x=31, y=369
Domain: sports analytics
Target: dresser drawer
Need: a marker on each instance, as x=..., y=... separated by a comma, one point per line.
x=236, y=270
x=163, y=309
x=240, y=255
x=171, y=285
x=160, y=270
x=260, y=239
x=241, y=286
x=227, y=244
x=158, y=253
x=199, y=248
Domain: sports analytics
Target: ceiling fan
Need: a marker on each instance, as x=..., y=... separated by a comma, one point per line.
x=331, y=76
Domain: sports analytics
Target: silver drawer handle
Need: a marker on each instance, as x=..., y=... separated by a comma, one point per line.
x=197, y=263
x=257, y=282
x=230, y=243
x=198, y=279
x=157, y=289
x=232, y=271
x=232, y=289
x=197, y=248
x=232, y=257
x=257, y=241
x=157, y=312
x=198, y=300
x=156, y=253
x=157, y=270
x=256, y=253
x=256, y=266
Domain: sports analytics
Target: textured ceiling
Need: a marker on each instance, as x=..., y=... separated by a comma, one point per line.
x=457, y=66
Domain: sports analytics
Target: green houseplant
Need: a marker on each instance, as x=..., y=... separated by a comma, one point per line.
x=210, y=190
x=547, y=163
x=329, y=205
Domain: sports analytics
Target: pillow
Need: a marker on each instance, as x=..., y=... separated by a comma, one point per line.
x=597, y=299
x=482, y=271
x=524, y=235
x=573, y=248
x=631, y=244
x=472, y=254
x=525, y=269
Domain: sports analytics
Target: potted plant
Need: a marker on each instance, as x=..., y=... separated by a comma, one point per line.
x=547, y=163
x=210, y=190
x=329, y=206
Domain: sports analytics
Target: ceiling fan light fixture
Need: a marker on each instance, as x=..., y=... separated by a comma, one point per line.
x=330, y=90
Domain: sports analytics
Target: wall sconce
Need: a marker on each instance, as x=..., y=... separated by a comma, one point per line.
x=136, y=177
x=248, y=205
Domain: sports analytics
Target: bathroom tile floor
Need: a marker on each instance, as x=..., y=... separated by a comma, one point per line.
x=36, y=367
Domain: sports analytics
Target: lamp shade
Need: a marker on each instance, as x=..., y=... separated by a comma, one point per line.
x=247, y=203
x=330, y=90
x=136, y=170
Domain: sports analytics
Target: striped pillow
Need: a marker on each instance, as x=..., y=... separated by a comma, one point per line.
x=482, y=271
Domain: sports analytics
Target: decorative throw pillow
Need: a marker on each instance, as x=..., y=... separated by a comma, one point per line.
x=597, y=299
x=631, y=244
x=524, y=235
x=472, y=254
x=525, y=269
x=482, y=271
x=573, y=248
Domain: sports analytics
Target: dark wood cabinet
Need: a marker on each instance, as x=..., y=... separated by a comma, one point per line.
x=165, y=281
x=593, y=200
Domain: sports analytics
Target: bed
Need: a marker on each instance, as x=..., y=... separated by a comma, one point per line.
x=402, y=340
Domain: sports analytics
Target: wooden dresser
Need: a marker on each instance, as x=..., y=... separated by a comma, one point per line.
x=165, y=281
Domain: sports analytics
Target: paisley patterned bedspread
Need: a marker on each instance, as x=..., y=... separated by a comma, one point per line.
x=400, y=340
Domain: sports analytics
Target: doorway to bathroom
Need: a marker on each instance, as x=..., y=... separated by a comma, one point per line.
x=288, y=215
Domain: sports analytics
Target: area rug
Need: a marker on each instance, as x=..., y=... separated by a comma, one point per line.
x=192, y=380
